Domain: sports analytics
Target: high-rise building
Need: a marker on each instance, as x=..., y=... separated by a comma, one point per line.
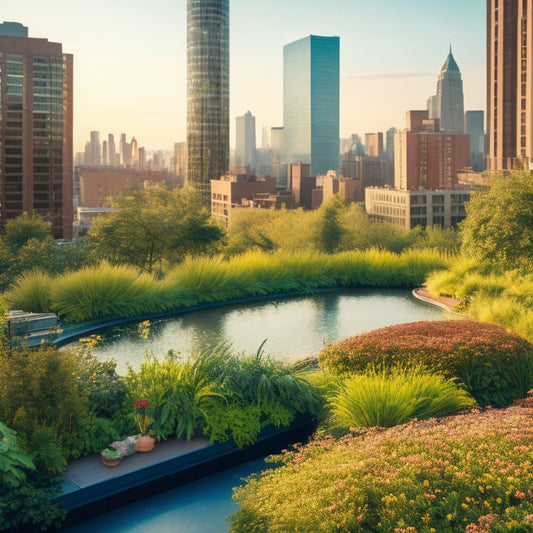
x=448, y=104
x=36, y=158
x=111, y=151
x=207, y=93
x=95, y=150
x=311, y=102
x=374, y=144
x=425, y=158
x=180, y=159
x=245, y=145
x=475, y=127
x=510, y=84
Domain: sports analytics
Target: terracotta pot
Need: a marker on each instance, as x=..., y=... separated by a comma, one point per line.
x=110, y=461
x=144, y=443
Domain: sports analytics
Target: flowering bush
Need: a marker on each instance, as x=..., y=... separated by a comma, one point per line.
x=495, y=366
x=453, y=474
x=142, y=417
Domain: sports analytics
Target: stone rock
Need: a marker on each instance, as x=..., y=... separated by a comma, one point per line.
x=126, y=446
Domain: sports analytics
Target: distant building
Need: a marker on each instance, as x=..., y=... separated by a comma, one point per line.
x=36, y=110
x=389, y=150
x=180, y=159
x=426, y=158
x=311, y=102
x=374, y=144
x=245, y=145
x=448, y=104
x=408, y=209
x=237, y=189
x=207, y=93
x=475, y=127
x=97, y=184
x=510, y=84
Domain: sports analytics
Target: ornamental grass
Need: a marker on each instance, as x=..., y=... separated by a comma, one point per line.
x=391, y=397
x=494, y=365
x=431, y=476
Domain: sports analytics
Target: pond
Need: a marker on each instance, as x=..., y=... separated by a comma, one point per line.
x=294, y=328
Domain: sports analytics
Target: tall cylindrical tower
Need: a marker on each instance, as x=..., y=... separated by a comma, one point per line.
x=207, y=93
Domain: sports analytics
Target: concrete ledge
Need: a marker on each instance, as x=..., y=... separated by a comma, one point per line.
x=84, y=501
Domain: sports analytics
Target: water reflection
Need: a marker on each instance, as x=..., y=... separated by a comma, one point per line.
x=294, y=328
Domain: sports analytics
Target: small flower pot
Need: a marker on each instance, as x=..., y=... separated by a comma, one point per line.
x=144, y=443
x=111, y=456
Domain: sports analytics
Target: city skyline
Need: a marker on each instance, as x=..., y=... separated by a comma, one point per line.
x=130, y=64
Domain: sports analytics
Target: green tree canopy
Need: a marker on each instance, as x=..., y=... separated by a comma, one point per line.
x=498, y=231
x=154, y=226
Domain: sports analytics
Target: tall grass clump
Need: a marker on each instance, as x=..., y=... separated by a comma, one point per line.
x=31, y=292
x=104, y=291
x=495, y=366
x=389, y=397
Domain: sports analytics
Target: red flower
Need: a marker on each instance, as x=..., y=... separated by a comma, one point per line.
x=141, y=404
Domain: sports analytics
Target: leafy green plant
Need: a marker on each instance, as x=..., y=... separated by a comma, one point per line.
x=389, y=397
x=493, y=364
x=13, y=460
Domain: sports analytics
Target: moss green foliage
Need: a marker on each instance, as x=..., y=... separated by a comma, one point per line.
x=391, y=397
x=495, y=366
x=108, y=291
x=498, y=229
x=427, y=476
x=220, y=394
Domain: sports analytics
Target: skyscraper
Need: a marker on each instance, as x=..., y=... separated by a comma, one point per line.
x=36, y=108
x=207, y=92
x=245, y=145
x=510, y=84
x=448, y=104
x=311, y=102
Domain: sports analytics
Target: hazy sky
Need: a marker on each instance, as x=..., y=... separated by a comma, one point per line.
x=130, y=58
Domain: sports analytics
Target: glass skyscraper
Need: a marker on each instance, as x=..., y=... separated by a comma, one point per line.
x=207, y=92
x=311, y=102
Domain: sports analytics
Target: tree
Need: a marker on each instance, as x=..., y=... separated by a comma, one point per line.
x=329, y=229
x=153, y=226
x=498, y=229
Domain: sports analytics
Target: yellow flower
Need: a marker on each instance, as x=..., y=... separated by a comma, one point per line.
x=464, y=505
x=449, y=516
x=426, y=483
x=498, y=500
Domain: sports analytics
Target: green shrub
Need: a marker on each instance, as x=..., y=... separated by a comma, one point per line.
x=31, y=292
x=104, y=291
x=391, y=397
x=427, y=476
x=40, y=392
x=495, y=366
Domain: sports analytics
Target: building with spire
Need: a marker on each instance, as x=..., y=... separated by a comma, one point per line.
x=448, y=104
x=207, y=93
x=510, y=84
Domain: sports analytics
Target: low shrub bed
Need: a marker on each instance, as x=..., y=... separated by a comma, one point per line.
x=495, y=366
x=454, y=474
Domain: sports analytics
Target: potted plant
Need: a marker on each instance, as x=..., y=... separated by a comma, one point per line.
x=111, y=456
x=145, y=442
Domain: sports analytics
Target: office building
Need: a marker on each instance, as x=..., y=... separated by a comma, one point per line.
x=311, y=102
x=510, y=84
x=207, y=93
x=408, y=209
x=426, y=158
x=180, y=159
x=374, y=144
x=475, y=127
x=245, y=145
x=448, y=104
x=36, y=159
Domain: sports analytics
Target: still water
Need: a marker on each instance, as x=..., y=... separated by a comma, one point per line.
x=293, y=328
